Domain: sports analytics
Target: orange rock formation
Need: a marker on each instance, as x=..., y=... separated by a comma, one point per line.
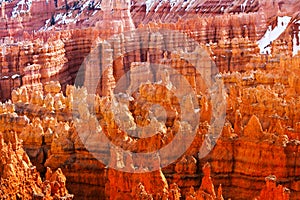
x=21, y=180
x=42, y=47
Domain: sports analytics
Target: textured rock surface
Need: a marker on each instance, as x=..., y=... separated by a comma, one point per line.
x=258, y=123
x=245, y=135
x=42, y=42
x=21, y=180
x=271, y=191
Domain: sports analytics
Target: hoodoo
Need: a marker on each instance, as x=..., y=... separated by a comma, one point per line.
x=150, y=99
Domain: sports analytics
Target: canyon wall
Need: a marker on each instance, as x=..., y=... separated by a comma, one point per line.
x=254, y=126
x=59, y=123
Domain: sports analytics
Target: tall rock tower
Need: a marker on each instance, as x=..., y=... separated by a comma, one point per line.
x=117, y=17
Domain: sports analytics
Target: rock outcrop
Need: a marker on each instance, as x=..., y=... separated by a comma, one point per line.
x=21, y=180
x=244, y=135
x=271, y=191
x=124, y=102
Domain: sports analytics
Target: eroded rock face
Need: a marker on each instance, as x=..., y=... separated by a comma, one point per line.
x=258, y=126
x=20, y=179
x=272, y=191
x=259, y=137
x=244, y=135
